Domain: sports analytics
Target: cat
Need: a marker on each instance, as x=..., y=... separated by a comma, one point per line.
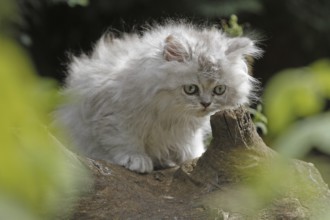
x=143, y=101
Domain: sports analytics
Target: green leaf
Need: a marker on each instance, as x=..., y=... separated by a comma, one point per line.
x=289, y=95
x=321, y=71
x=304, y=135
x=36, y=172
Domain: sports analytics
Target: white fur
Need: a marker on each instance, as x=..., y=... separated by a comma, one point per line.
x=127, y=104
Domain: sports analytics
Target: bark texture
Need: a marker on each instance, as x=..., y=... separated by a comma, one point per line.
x=238, y=177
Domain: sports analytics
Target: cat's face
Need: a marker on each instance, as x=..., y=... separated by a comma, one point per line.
x=199, y=95
x=206, y=83
x=203, y=95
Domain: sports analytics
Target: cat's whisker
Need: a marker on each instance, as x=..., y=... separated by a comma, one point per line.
x=226, y=97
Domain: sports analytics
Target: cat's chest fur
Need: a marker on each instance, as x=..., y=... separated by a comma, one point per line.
x=174, y=135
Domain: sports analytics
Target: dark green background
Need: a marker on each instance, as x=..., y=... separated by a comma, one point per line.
x=293, y=32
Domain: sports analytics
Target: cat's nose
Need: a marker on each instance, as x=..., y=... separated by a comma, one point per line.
x=206, y=104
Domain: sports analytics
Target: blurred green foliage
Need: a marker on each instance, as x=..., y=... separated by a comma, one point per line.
x=37, y=174
x=295, y=102
x=302, y=136
x=296, y=93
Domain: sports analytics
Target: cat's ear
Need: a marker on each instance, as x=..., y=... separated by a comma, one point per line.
x=242, y=46
x=174, y=50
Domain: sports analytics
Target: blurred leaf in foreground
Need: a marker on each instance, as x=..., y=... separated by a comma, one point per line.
x=36, y=173
x=302, y=136
x=296, y=93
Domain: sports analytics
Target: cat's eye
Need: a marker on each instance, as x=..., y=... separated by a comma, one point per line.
x=191, y=89
x=219, y=90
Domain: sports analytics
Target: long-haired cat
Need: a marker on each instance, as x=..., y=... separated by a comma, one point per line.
x=144, y=100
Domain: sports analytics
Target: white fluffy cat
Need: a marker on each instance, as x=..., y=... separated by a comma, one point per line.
x=144, y=101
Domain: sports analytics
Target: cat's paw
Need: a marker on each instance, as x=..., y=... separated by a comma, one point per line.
x=140, y=163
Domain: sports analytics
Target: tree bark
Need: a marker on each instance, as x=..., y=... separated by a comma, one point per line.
x=238, y=177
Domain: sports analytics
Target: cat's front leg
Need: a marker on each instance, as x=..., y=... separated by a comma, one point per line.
x=119, y=146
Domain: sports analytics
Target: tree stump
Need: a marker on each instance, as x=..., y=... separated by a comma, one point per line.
x=238, y=177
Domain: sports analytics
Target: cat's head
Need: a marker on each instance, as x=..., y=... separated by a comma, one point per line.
x=207, y=75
